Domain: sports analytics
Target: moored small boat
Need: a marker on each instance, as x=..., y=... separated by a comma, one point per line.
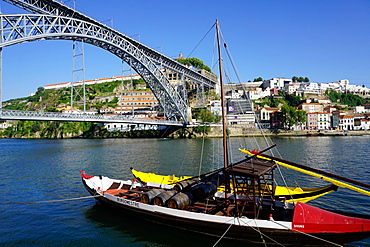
x=290, y=194
x=248, y=212
x=277, y=223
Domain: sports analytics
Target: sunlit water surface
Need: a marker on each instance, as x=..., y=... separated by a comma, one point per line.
x=47, y=170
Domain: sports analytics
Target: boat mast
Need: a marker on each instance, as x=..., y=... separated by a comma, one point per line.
x=224, y=134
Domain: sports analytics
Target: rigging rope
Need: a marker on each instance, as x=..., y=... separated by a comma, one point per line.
x=201, y=40
x=304, y=233
x=60, y=200
x=201, y=153
x=268, y=140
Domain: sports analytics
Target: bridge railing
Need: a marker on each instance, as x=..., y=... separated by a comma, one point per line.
x=80, y=117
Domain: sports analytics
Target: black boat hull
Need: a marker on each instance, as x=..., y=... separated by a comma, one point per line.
x=242, y=234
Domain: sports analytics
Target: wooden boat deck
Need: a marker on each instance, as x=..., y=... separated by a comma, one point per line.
x=253, y=167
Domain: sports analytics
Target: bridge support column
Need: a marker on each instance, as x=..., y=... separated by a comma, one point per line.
x=1, y=78
x=78, y=90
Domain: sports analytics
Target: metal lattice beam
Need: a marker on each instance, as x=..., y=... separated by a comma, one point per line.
x=21, y=28
x=53, y=7
x=79, y=117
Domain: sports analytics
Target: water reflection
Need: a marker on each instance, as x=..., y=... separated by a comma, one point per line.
x=133, y=232
x=37, y=170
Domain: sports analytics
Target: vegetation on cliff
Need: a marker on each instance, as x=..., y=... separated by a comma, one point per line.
x=51, y=101
x=345, y=98
x=195, y=62
x=46, y=129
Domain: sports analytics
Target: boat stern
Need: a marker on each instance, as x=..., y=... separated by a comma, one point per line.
x=310, y=219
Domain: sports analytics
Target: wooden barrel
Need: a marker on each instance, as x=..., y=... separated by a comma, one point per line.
x=161, y=199
x=203, y=191
x=180, y=200
x=185, y=185
x=148, y=197
x=218, y=179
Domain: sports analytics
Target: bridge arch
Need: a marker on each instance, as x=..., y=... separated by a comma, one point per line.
x=19, y=28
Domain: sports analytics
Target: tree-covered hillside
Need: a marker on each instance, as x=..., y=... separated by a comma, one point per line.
x=49, y=100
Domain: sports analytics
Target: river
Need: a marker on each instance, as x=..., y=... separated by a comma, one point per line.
x=48, y=170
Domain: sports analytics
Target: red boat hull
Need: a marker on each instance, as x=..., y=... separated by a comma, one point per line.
x=311, y=219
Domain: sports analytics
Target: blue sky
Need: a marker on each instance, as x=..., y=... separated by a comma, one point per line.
x=323, y=40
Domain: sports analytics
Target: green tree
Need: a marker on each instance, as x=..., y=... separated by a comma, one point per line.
x=257, y=79
x=195, y=62
x=206, y=116
x=288, y=116
x=217, y=118
x=291, y=99
x=301, y=117
x=270, y=101
x=36, y=97
x=347, y=99
x=203, y=129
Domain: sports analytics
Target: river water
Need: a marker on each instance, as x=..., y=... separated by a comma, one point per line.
x=48, y=170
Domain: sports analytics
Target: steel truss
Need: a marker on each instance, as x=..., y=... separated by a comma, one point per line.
x=80, y=117
x=19, y=28
x=53, y=7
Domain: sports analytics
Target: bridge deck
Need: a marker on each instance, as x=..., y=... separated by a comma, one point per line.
x=81, y=117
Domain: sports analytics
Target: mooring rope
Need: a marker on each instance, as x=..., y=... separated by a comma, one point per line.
x=262, y=234
x=257, y=230
x=223, y=234
x=61, y=200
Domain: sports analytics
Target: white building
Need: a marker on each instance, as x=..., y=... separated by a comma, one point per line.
x=6, y=124
x=346, y=122
x=365, y=124
x=91, y=82
x=264, y=113
x=323, y=120
x=264, y=116
x=258, y=93
x=291, y=88
x=215, y=107
x=278, y=83
x=359, y=109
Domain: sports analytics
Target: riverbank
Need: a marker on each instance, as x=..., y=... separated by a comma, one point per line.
x=93, y=131
x=237, y=131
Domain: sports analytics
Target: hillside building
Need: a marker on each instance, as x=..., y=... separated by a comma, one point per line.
x=346, y=122
x=311, y=107
x=139, y=102
x=264, y=116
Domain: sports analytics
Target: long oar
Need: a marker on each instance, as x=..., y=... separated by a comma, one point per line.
x=316, y=173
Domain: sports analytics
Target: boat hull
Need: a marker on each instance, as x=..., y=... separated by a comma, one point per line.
x=246, y=234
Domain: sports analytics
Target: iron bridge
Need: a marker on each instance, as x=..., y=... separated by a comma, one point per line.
x=81, y=117
x=55, y=20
